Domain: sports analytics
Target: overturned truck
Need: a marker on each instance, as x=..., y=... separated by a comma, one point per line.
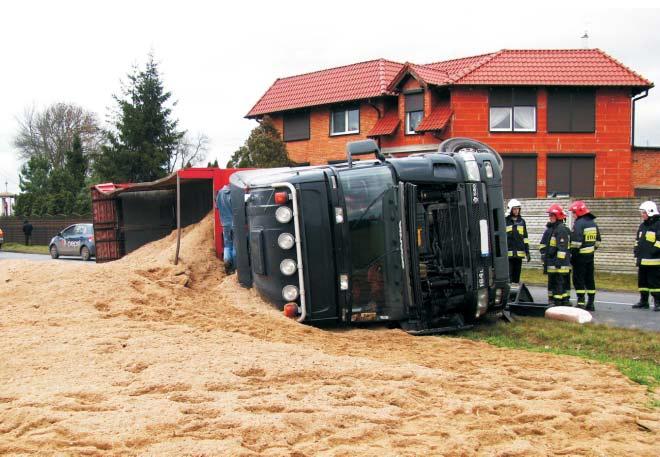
x=419, y=241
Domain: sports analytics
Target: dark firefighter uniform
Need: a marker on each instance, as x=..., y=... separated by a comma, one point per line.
x=517, y=245
x=585, y=239
x=558, y=262
x=647, y=252
x=543, y=246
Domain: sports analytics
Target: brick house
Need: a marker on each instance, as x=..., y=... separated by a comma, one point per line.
x=562, y=119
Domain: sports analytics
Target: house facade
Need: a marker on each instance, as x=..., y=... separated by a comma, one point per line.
x=561, y=119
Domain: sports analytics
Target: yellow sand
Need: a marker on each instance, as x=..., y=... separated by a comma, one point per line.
x=139, y=357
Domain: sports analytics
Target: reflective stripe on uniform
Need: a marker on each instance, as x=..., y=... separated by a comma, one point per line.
x=561, y=255
x=521, y=229
x=654, y=291
x=510, y=253
x=509, y=228
x=591, y=292
x=526, y=240
x=553, y=241
x=590, y=229
x=587, y=250
x=559, y=270
x=576, y=244
x=657, y=244
x=650, y=262
x=580, y=291
x=521, y=254
x=643, y=289
x=650, y=237
x=541, y=245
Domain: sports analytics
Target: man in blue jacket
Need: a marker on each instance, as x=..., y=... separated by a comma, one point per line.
x=223, y=202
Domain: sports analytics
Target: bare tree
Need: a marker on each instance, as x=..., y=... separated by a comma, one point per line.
x=49, y=133
x=190, y=150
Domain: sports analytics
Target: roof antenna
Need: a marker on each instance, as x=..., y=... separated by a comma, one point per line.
x=585, y=40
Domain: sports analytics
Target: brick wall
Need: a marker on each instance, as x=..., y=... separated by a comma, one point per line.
x=322, y=147
x=646, y=168
x=610, y=142
x=617, y=219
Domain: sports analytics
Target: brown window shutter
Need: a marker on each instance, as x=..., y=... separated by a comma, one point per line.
x=584, y=111
x=415, y=102
x=296, y=126
x=559, y=110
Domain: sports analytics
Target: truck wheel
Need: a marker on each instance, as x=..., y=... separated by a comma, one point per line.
x=53, y=252
x=84, y=253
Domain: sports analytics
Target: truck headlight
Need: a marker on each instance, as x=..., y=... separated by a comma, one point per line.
x=283, y=214
x=482, y=302
x=472, y=170
x=290, y=293
x=288, y=267
x=498, y=296
x=285, y=241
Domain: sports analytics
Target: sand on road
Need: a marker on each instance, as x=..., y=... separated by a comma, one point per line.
x=141, y=357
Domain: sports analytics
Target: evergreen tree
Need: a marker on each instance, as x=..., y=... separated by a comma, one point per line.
x=33, y=182
x=213, y=164
x=263, y=149
x=76, y=162
x=145, y=135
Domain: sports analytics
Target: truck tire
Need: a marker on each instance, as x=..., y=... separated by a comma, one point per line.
x=458, y=143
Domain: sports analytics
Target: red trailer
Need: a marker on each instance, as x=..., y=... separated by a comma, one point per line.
x=127, y=216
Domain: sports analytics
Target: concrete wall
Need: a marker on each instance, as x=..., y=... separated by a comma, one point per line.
x=618, y=220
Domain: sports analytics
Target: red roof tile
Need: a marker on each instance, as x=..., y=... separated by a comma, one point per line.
x=559, y=67
x=386, y=125
x=351, y=82
x=437, y=120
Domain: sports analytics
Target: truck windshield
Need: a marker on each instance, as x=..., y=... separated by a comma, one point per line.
x=373, y=223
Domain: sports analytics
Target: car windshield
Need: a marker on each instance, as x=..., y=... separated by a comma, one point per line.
x=371, y=210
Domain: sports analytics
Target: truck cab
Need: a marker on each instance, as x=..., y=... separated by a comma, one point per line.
x=419, y=241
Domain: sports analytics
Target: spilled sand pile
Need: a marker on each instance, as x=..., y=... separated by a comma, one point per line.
x=141, y=357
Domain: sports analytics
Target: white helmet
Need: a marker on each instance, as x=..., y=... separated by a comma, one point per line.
x=513, y=203
x=649, y=208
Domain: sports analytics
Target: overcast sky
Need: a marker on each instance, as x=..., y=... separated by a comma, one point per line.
x=218, y=58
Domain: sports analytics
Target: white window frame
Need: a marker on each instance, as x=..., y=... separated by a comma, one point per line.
x=513, y=119
x=512, y=113
x=346, y=132
x=504, y=129
x=409, y=131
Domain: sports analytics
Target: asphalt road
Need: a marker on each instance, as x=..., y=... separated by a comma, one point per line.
x=38, y=257
x=612, y=308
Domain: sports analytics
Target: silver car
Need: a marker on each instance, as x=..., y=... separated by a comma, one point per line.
x=75, y=240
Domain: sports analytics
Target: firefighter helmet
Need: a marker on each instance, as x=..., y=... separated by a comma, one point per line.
x=649, y=208
x=557, y=210
x=513, y=203
x=579, y=208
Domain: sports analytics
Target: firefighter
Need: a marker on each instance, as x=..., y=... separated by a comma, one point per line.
x=517, y=240
x=647, y=252
x=585, y=238
x=557, y=257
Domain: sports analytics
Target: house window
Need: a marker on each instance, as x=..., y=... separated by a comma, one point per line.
x=414, y=111
x=296, y=126
x=571, y=110
x=512, y=109
x=345, y=121
x=570, y=176
x=519, y=176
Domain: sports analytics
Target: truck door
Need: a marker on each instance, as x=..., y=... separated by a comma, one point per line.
x=371, y=205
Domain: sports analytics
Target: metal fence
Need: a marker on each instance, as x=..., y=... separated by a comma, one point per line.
x=44, y=227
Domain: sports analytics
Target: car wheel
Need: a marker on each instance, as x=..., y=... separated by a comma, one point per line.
x=53, y=252
x=84, y=253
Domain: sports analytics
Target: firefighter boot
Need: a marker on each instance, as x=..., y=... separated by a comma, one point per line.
x=591, y=298
x=580, y=300
x=643, y=302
